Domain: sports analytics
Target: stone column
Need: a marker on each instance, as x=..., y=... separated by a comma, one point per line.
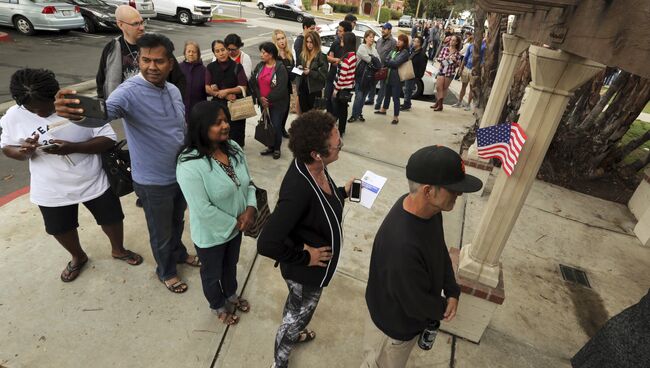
x=513, y=46
x=555, y=75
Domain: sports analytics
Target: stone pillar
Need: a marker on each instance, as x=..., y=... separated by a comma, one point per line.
x=639, y=205
x=513, y=46
x=555, y=75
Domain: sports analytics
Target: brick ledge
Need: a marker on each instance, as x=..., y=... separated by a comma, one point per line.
x=495, y=295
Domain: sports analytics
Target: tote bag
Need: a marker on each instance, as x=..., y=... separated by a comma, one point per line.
x=264, y=131
x=405, y=71
x=242, y=108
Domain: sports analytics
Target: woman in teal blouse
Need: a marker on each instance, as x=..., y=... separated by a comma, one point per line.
x=213, y=175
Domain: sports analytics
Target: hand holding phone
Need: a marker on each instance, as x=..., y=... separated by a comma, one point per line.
x=92, y=107
x=355, y=191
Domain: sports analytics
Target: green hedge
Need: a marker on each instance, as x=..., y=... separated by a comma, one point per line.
x=384, y=15
x=306, y=4
x=394, y=14
x=344, y=8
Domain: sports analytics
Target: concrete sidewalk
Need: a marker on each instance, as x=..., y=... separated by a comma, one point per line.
x=115, y=315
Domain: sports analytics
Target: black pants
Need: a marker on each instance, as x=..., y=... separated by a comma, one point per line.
x=219, y=271
x=238, y=131
x=307, y=99
x=341, y=112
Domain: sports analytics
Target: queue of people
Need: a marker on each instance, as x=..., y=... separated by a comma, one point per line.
x=187, y=153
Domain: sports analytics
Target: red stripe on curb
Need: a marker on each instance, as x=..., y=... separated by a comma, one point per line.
x=238, y=20
x=11, y=196
x=4, y=37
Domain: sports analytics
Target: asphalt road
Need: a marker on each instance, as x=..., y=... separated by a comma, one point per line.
x=74, y=58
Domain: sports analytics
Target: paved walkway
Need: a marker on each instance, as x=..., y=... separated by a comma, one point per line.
x=120, y=316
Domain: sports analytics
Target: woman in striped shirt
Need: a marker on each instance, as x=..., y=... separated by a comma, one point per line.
x=344, y=81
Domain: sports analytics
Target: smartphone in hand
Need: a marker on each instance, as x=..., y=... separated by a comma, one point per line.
x=93, y=107
x=355, y=191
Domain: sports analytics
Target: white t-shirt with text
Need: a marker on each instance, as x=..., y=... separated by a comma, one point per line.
x=57, y=180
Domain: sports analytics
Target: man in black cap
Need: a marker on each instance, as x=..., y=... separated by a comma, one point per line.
x=410, y=265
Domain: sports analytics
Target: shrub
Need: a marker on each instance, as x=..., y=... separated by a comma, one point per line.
x=306, y=4
x=344, y=8
x=384, y=15
x=394, y=14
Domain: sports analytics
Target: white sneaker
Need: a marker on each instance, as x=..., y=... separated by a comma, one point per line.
x=457, y=104
x=468, y=108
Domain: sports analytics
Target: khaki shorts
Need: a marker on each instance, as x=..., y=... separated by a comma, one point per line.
x=465, y=75
x=381, y=351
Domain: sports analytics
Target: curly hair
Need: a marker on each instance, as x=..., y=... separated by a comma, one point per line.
x=309, y=133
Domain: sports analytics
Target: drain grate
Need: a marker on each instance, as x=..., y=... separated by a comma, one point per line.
x=574, y=275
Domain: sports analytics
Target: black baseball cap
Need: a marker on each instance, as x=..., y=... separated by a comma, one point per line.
x=441, y=166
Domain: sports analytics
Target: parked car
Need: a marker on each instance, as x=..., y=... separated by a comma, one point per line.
x=145, y=7
x=405, y=21
x=185, y=11
x=29, y=16
x=285, y=11
x=361, y=27
x=97, y=14
x=261, y=4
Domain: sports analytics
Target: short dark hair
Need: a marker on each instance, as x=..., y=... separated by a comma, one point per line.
x=270, y=48
x=350, y=18
x=215, y=42
x=233, y=39
x=33, y=84
x=349, y=42
x=309, y=133
x=151, y=40
x=419, y=38
x=308, y=22
x=347, y=26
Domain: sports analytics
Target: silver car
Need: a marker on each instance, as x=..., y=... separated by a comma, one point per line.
x=145, y=7
x=28, y=16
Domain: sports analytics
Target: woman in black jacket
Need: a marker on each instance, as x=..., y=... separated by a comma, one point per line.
x=314, y=71
x=268, y=85
x=285, y=56
x=304, y=233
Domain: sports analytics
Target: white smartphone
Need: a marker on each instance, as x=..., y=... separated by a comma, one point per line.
x=355, y=191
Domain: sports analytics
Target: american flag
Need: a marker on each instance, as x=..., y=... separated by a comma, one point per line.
x=502, y=141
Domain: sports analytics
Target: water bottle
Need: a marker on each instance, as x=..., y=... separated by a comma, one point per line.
x=428, y=336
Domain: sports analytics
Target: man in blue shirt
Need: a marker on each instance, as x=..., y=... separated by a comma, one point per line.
x=154, y=123
x=466, y=74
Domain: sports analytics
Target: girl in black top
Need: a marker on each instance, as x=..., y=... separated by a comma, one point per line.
x=314, y=71
x=285, y=56
x=225, y=80
x=304, y=233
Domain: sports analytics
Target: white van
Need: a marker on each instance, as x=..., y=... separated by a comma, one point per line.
x=145, y=7
x=185, y=11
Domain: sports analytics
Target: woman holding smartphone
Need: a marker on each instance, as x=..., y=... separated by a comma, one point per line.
x=286, y=57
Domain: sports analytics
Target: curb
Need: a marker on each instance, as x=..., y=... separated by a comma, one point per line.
x=236, y=20
x=11, y=196
x=4, y=37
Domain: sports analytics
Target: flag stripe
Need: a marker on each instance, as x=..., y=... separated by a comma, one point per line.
x=503, y=142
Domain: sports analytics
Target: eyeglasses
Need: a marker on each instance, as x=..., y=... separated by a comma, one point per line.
x=233, y=49
x=135, y=24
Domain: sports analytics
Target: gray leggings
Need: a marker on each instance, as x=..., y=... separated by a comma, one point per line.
x=298, y=310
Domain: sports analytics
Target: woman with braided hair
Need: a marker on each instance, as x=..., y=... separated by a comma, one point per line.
x=65, y=167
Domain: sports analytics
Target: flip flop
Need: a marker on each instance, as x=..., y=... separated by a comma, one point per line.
x=178, y=287
x=242, y=305
x=72, y=269
x=130, y=256
x=228, y=318
x=196, y=262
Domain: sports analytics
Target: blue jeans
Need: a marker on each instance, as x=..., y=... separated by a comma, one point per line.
x=409, y=86
x=393, y=90
x=380, y=94
x=359, y=99
x=164, y=209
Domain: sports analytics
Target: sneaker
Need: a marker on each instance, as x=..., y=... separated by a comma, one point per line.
x=404, y=108
x=468, y=108
x=276, y=155
x=457, y=105
x=352, y=119
x=361, y=118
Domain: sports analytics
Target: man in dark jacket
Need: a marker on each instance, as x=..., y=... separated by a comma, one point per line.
x=419, y=60
x=119, y=60
x=410, y=265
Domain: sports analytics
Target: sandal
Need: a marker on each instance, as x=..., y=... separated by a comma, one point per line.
x=178, y=287
x=306, y=335
x=71, y=271
x=195, y=262
x=228, y=318
x=131, y=258
x=242, y=305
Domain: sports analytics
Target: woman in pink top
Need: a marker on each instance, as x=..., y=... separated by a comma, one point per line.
x=268, y=85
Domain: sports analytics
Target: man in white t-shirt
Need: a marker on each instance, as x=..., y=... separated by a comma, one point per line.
x=65, y=167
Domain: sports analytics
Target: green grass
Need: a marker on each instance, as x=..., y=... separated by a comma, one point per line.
x=637, y=129
x=646, y=109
